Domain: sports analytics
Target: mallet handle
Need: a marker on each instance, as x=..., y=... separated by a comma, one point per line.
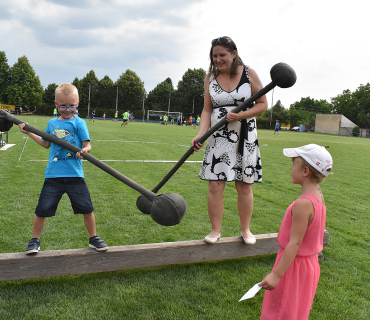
x=100, y=164
x=217, y=126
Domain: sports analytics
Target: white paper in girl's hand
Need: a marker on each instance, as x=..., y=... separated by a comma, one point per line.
x=251, y=292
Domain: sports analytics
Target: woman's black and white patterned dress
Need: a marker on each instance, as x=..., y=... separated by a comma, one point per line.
x=232, y=152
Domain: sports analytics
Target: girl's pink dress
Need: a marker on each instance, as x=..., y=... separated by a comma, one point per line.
x=292, y=298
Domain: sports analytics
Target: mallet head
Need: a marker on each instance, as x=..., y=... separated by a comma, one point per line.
x=168, y=209
x=143, y=204
x=283, y=75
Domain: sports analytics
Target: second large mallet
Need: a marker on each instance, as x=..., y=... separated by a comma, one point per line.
x=282, y=75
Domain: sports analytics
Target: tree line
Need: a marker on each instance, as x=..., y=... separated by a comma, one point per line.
x=353, y=105
x=19, y=85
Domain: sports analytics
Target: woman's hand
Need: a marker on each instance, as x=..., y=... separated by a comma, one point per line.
x=232, y=117
x=197, y=146
x=270, y=281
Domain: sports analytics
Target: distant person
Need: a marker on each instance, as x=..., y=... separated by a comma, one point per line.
x=295, y=275
x=198, y=120
x=190, y=122
x=93, y=116
x=55, y=114
x=194, y=122
x=125, y=118
x=232, y=152
x=116, y=116
x=160, y=119
x=64, y=173
x=165, y=119
x=172, y=121
x=277, y=127
x=104, y=116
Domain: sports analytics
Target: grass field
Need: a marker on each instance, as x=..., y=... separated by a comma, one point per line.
x=194, y=291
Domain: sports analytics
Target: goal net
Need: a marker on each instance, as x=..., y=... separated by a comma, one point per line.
x=154, y=115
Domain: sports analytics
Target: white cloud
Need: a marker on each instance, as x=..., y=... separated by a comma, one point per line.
x=324, y=41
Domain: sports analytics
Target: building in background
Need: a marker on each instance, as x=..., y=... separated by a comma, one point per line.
x=336, y=124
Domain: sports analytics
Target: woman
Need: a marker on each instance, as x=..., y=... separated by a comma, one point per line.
x=232, y=152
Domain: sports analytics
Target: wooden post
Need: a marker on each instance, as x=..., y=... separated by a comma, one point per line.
x=15, y=266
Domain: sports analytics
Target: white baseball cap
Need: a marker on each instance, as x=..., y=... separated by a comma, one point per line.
x=318, y=157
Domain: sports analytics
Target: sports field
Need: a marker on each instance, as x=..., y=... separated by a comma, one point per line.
x=194, y=291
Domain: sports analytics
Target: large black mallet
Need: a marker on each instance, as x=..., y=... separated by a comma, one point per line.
x=282, y=75
x=166, y=209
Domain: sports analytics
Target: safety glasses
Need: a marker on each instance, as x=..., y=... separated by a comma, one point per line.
x=63, y=108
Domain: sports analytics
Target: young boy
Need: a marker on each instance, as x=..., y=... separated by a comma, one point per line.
x=291, y=286
x=64, y=173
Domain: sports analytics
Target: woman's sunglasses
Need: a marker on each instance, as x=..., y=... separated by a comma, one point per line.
x=222, y=41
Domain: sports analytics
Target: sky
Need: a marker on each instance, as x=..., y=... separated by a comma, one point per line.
x=325, y=41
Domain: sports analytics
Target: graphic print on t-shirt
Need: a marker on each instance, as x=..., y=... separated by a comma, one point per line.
x=62, y=153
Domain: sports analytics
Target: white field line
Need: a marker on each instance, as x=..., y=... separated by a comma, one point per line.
x=23, y=149
x=152, y=161
x=155, y=161
x=123, y=141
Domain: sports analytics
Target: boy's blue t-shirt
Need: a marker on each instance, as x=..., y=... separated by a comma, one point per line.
x=62, y=162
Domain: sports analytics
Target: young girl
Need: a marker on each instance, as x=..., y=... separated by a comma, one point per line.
x=293, y=281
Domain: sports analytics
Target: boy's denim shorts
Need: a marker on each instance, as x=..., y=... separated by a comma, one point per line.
x=53, y=190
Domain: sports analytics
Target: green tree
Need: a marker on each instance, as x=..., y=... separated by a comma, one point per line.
x=190, y=92
x=169, y=81
x=77, y=83
x=130, y=92
x=304, y=111
x=4, y=77
x=159, y=97
x=48, y=96
x=280, y=113
x=355, y=106
x=24, y=86
x=89, y=82
x=47, y=106
x=106, y=94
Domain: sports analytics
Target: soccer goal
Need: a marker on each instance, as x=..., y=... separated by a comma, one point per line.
x=154, y=115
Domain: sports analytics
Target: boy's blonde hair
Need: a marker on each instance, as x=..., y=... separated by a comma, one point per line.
x=315, y=175
x=66, y=89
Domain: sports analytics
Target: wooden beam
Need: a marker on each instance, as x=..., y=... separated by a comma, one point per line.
x=16, y=266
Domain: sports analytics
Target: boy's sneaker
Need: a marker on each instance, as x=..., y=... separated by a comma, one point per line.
x=97, y=243
x=33, y=246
